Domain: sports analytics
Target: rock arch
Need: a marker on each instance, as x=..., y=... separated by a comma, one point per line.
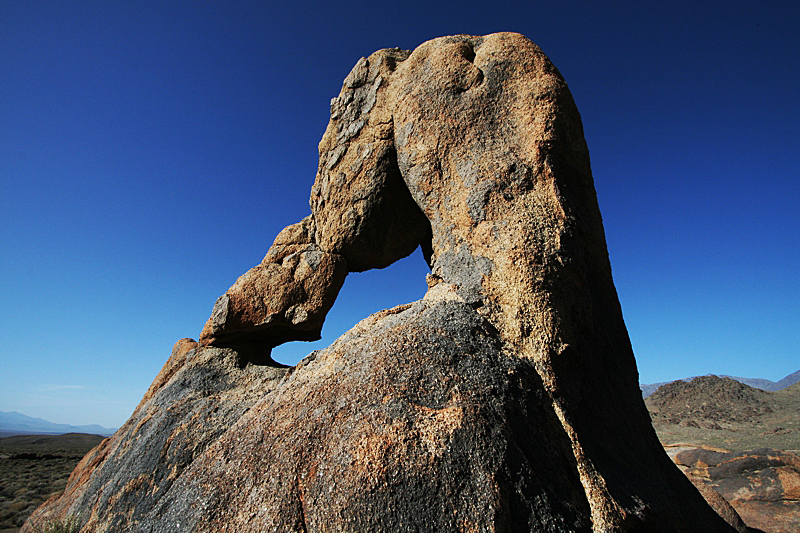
x=505, y=400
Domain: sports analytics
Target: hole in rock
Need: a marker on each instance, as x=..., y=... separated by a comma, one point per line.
x=363, y=293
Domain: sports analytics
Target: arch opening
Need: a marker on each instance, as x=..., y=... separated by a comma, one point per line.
x=363, y=294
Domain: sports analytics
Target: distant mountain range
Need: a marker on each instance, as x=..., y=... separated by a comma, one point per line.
x=14, y=423
x=758, y=383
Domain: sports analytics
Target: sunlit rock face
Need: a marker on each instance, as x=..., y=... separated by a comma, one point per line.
x=505, y=400
x=762, y=485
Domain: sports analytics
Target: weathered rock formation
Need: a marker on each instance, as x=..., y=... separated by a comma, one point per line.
x=505, y=400
x=762, y=485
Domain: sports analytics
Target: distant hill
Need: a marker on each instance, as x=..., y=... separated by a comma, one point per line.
x=758, y=383
x=708, y=400
x=14, y=423
x=720, y=411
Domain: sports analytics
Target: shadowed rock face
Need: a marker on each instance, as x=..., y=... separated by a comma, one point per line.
x=506, y=400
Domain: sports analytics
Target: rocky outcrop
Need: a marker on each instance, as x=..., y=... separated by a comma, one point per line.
x=762, y=485
x=506, y=400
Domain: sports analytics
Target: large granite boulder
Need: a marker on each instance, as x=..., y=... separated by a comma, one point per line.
x=505, y=400
x=762, y=485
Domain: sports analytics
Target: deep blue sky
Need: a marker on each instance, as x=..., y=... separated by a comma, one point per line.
x=151, y=151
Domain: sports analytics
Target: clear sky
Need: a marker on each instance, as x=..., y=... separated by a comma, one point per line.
x=151, y=151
